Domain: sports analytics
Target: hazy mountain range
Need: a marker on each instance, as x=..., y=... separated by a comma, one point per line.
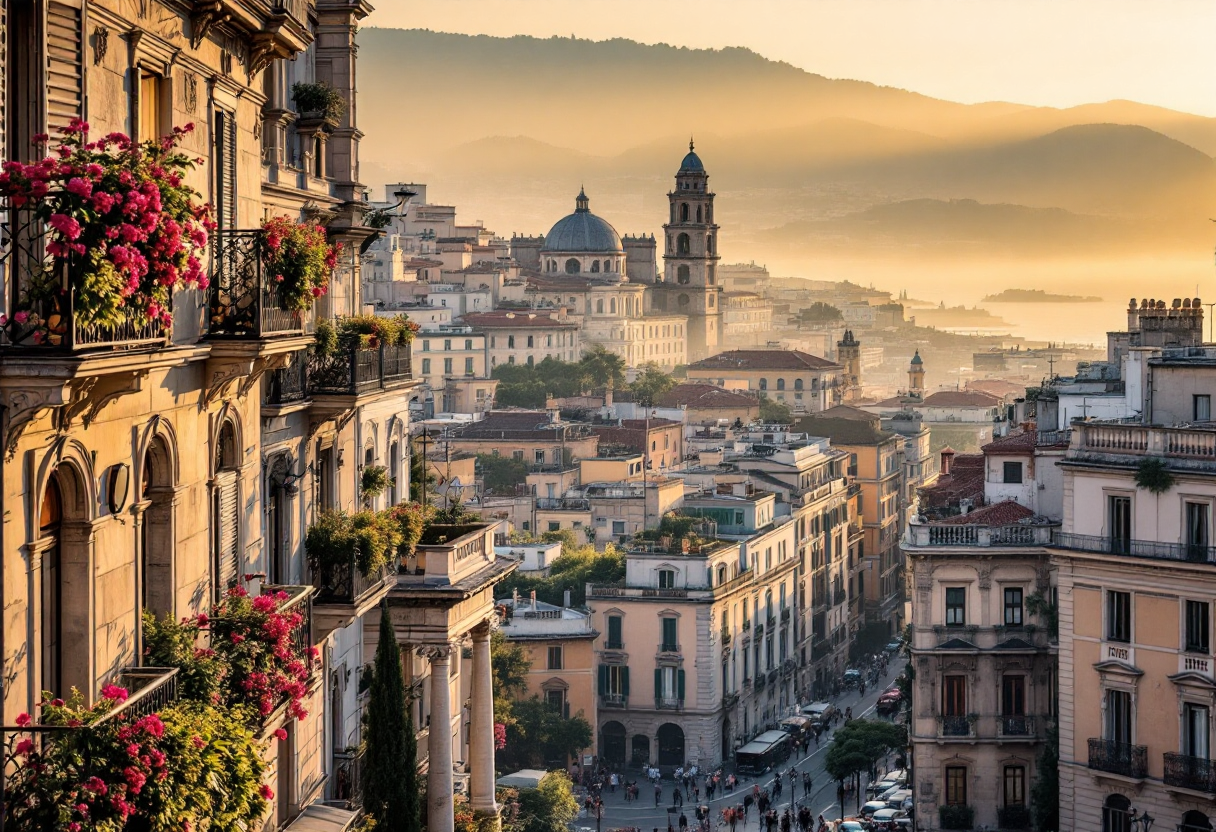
x=509, y=128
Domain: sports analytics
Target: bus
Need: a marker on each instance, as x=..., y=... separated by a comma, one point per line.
x=762, y=753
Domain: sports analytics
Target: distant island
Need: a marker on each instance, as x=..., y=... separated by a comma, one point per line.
x=1036, y=296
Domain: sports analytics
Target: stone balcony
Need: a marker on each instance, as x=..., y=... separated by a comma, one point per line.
x=945, y=534
x=344, y=593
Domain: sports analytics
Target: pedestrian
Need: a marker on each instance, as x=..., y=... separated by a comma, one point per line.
x=748, y=800
x=863, y=687
x=677, y=797
x=683, y=821
x=785, y=821
x=658, y=795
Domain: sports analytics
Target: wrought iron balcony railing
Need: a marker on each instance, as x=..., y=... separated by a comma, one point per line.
x=1016, y=726
x=668, y=703
x=1135, y=548
x=149, y=691
x=348, y=779
x=1118, y=758
x=956, y=726
x=613, y=700
x=245, y=302
x=1187, y=772
x=354, y=370
x=289, y=384
x=299, y=600
x=346, y=584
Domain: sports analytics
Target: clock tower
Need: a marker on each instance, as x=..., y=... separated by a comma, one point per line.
x=689, y=284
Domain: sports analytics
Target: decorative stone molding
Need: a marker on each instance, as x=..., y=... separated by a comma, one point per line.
x=101, y=44
x=436, y=652
x=205, y=16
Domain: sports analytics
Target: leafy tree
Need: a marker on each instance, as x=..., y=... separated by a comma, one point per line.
x=1045, y=791
x=573, y=570
x=774, y=412
x=819, y=312
x=603, y=368
x=858, y=747
x=548, y=808
x=500, y=474
x=420, y=472
x=539, y=732
x=390, y=773
x=650, y=384
x=509, y=666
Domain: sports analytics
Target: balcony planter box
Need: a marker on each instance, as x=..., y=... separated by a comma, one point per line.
x=956, y=817
x=1013, y=817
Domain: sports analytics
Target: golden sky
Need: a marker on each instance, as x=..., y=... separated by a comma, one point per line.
x=1045, y=52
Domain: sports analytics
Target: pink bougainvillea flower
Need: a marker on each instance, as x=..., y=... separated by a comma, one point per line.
x=23, y=719
x=115, y=693
x=280, y=734
x=266, y=792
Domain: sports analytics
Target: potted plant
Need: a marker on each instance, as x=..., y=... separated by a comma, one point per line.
x=370, y=538
x=298, y=259
x=318, y=101
x=374, y=481
x=123, y=231
x=370, y=331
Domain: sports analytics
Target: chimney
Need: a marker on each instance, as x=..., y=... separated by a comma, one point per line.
x=566, y=599
x=532, y=598
x=947, y=460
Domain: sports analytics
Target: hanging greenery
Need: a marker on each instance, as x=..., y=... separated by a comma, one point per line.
x=370, y=537
x=319, y=98
x=299, y=260
x=1153, y=475
x=374, y=481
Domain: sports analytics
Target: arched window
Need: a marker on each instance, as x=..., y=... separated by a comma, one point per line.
x=683, y=212
x=1195, y=821
x=612, y=306
x=709, y=243
x=1116, y=814
x=682, y=274
x=394, y=463
x=595, y=266
x=797, y=384
x=698, y=213
x=683, y=245
x=711, y=301
x=763, y=384
x=780, y=384
x=599, y=306
x=50, y=518
x=572, y=266
x=225, y=512
x=682, y=301
x=721, y=574
x=156, y=535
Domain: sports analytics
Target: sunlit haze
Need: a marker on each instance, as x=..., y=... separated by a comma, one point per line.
x=1031, y=51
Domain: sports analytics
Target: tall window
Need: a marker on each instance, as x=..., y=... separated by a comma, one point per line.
x=1198, y=530
x=225, y=169
x=52, y=588
x=669, y=685
x=956, y=786
x=1116, y=814
x=954, y=696
x=225, y=512
x=1013, y=696
x=1015, y=785
x=426, y=366
x=555, y=657
x=614, y=680
x=1118, y=616
x=1118, y=716
x=1201, y=408
x=1119, y=523
x=1198, y=628
x=1195, y=730
x=447, y=366
x=615, y=641
x=151, y=125
x=667, y=577
x=556, y=699
x=1013, y=606
x=956, y=606
x=670, y=639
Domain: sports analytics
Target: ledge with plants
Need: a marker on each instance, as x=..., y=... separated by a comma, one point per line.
x=318, y=102
x=352, y=554
x=102, y=233
x=194, y=763
x=361, y=352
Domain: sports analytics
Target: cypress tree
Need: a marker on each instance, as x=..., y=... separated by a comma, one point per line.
x=390, y=770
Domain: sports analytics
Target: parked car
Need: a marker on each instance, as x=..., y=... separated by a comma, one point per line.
x=849, y=825
x=896, y=800
x=873, y=806
x=894, y=645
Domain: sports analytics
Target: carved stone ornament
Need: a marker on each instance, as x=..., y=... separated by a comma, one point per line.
x=436, y=652
x=261, y=53
x=190, y=92
x=985, y=573
x=22, y=406
x=205, y=16
x=101, y=44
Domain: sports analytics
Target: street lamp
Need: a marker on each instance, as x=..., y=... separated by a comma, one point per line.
x=1141, y=822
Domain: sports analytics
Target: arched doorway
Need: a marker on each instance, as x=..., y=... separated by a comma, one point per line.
x=1116, y=814
x=1194, y=821
x=641, y=750
x=612, y=743
x=671, y=744
x=50, y=528
x=156, y=535
x=726, y=749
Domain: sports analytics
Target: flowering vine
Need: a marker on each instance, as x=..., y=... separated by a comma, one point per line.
x=122, y=221
x=299, y=259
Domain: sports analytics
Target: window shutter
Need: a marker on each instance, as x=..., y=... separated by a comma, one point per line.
x=680, y=685
x=624, y=681
x=64, y=64
x=228, y=537
x=658, y=682
x=603, y=679
x=225, y=168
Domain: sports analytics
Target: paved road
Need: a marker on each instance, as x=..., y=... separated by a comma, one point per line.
x=644, y=815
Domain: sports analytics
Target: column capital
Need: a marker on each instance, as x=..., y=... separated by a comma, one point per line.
x=436, y=652
x=483, y=630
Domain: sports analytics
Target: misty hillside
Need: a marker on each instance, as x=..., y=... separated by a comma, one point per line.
x=512, y=126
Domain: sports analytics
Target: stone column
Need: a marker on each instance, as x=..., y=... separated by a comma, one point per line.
x=439, y=784
x=481, y=727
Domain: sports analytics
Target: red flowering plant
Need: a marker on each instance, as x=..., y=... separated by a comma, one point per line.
x=102, y=770
x=299, y=260
x=253, y=635
x=121, y=223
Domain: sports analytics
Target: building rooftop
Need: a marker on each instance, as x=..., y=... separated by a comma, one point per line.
x=704, y=396
x=964, y=482
x=526, y=619
x=847, y=429
x=1004, y=513
x=515, y=320
x=764, y=360
x=519, y=424
x=961, y=398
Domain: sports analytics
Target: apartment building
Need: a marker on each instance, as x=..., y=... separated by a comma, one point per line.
x=703, y=601
x=805, y=382
x=525, y=337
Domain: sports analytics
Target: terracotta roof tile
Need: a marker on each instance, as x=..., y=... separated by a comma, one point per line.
x=1014, y=443
x=705, y=396
x=1004, y=513
x=764, y=360
x=961, y=398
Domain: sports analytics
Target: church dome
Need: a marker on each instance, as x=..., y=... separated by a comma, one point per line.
x=916, y=360
x=692, y=162
x=582, y=231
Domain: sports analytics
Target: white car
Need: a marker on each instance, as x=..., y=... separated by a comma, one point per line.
x=887, y=815
x=888, y=793
x=878, y=787
x=872, y=807
x=896, y=801
x=850, y=826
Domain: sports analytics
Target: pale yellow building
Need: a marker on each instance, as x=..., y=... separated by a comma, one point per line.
x=804, y=382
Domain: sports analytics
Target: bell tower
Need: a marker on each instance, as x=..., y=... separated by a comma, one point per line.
x=690, y=259
x=848, y=353
x=916, y=377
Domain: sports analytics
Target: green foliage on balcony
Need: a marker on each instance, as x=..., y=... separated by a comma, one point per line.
x=368, y=537
x=956, y=817
x=319, y=98
x=1153, y=476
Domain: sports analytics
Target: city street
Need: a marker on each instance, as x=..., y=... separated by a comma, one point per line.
x=823, y=800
